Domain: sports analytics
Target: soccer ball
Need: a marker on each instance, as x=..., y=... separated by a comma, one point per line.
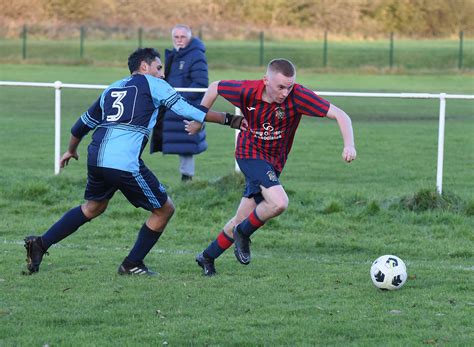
x=388, y=272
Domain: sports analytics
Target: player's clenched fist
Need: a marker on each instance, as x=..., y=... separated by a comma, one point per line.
x=349, y=153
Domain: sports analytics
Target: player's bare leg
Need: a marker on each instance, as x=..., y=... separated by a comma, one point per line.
x=160, y=217
x=275, y=203
x=245, y=208
x=224, y=239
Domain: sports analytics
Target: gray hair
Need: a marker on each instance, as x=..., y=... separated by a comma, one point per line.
x=184, y=27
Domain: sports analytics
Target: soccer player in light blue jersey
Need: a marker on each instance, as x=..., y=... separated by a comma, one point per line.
x=122, y=119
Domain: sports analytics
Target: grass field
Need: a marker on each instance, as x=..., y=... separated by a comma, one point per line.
x=408, y=55
x=308, y=283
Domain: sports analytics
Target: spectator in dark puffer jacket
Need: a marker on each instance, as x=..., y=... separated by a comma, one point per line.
x=185, y=67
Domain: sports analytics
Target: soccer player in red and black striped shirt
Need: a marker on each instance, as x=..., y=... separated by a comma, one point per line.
x=272, y=109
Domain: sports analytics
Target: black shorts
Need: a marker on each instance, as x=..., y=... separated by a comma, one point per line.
x=257, y=173
x=141, y=188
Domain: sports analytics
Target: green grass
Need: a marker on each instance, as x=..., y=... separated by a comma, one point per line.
x=308, y=283
x=408, y=55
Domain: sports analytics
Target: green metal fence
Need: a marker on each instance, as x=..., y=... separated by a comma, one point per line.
x=101, y=44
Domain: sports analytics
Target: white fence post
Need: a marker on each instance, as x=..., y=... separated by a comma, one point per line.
x=57, y=125
x=442, y=118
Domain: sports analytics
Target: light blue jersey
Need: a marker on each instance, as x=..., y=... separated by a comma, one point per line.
x=124, y=117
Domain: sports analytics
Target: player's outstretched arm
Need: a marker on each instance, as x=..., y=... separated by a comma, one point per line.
x=209, y=99
x=236, y=122
x=211, y=95
x=345, y=126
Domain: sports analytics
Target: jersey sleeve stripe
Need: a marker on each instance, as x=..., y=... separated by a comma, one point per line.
x=311, y=106
x=232, y=100
x=229, y=92
x=311, y=97
x=248, y=96
x=306, y=94
x=231, y=95
x=309, y=111
x=171, y=100
x=234, y=84
x=89, y=121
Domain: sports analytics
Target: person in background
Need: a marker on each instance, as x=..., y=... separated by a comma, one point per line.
x=185, y=67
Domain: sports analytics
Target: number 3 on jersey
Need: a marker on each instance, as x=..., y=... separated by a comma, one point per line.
x=119, y=105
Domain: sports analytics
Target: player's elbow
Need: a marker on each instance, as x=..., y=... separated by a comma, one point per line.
x=213, y=86
x=338, y=114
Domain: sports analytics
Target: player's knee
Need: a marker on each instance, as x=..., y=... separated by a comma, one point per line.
x=168, y=209
x=279, y=206
x=92, y=209
x=171, y=210
x=237, y=219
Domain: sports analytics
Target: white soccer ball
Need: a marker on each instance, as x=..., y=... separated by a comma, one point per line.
x=388, y=272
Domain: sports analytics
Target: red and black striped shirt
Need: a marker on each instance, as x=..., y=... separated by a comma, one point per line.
x=272, y=126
